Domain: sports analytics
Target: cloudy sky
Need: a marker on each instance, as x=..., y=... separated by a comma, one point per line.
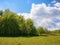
x=45, y=13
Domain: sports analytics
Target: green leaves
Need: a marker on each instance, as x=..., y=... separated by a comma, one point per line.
x=30, y=28
x=13, y=25
x=42, y=31
x=9, y=24
x=1, y=12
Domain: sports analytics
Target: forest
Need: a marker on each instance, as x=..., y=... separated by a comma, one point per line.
x=13, y=25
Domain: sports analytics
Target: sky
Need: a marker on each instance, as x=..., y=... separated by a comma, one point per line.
x=45, y=13
x=22, y=6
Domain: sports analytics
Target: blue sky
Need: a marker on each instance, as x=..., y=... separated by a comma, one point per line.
x=21, y=5
x=45, y=13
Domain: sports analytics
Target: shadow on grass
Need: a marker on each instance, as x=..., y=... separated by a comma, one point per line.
x=25, y=36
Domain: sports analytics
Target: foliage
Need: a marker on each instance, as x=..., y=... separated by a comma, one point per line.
x=42, y=31
x=1, y=12
x=13, y=25
x=30, y=28
x=9, y=25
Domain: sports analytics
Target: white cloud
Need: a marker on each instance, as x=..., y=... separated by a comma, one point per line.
x=44, y=15
x=57, y=4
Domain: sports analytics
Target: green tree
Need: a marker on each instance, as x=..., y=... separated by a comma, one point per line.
x=55, y=32
x=1, y=12
x=9, y=25
x=42, y=31
x=21, y=23
x=30, y=28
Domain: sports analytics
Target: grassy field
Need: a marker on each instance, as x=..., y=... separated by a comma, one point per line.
x=40, y=40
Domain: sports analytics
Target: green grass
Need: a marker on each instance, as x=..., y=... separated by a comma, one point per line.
x=40, y=40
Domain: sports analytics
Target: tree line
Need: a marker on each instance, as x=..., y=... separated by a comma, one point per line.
x=13, y=25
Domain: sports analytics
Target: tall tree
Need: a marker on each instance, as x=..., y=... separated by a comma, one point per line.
x=9, y=25
x=42, y=31
x=1, y=12
x=30, y=28
x=21, y=23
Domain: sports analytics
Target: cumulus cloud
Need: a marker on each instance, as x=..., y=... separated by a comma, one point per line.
x=57, y=4
x=44, y=15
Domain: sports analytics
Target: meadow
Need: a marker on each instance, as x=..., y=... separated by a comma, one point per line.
x=39, y=40
x=13, y=28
